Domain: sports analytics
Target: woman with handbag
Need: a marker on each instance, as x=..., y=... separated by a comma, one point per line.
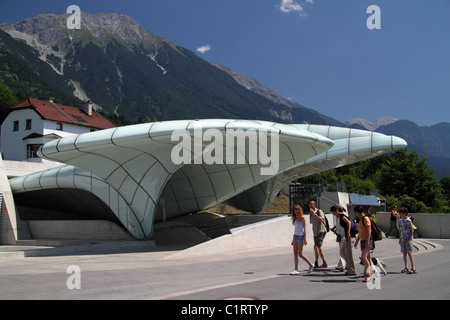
x=343, y=226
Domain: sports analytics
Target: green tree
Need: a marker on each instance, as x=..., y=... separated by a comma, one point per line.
x=401, y=177
x=408, y=202
x=404, y=174
x=354, y=184
x=7, y=99
x=445, y=185
x=365, y=169
x=327, y=179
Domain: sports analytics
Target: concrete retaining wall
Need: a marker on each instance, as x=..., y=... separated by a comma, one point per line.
x=175, y=232
x=239, y=220
x=12, y=227
x=430, y=225
x=78, y=230
x=274, y=232
x=22, y=168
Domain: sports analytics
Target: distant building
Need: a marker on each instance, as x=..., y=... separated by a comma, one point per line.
x=32, y=123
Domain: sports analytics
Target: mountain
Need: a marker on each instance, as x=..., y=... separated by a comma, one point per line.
x=432, y=142
x=125, y=69
x=26, y=74
x=370, y=125
x=297, y=113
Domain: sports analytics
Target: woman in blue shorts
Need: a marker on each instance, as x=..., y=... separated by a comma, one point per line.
x=299, y=238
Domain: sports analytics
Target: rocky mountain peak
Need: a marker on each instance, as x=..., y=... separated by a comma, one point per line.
x=371, y=125
x=51, y=30
x=294, y=111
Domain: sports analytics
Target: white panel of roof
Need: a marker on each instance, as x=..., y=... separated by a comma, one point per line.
x=154, y=179
x=101, y=190
x=136, y=161
x=135, y=168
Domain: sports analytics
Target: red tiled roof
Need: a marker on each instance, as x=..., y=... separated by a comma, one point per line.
x=58, y=112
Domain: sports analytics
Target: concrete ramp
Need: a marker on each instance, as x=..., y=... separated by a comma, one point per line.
x=270, y=233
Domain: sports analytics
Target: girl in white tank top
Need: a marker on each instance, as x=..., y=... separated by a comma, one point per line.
x=299, y=238
x=299, y=228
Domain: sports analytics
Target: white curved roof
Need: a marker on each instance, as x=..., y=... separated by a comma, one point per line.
x=350, y=146
x=132, y=169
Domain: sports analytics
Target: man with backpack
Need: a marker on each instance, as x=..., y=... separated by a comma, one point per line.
x=317, y=219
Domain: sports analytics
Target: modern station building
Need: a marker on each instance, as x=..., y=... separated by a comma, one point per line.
x=136, y=176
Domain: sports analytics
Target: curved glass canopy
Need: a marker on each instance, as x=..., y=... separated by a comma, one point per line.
x=150, y=172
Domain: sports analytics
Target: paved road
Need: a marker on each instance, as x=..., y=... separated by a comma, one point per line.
x=259, y=273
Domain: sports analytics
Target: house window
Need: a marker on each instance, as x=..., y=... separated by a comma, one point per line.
x=16, y=126
x=28, y=124
x=59, y=126
x=32, y=150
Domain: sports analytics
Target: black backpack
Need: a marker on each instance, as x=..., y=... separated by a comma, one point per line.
x=354, y=229
x=327, y=225
x=376, y=231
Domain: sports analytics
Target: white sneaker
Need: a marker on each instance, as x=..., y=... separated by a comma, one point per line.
x=310, y=269
x=294, y=273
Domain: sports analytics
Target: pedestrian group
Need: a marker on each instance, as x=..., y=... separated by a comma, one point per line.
x=364, y=229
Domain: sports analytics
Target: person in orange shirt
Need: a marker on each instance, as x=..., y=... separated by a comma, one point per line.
x=365, y=233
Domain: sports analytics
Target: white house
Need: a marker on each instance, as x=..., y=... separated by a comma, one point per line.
x=32, y=123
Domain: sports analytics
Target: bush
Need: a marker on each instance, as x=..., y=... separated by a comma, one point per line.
x=412, y=204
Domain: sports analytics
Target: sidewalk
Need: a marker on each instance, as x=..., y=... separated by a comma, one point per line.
x=260, y=273
x=127, y=271
x=271, y=233
x=66, y=248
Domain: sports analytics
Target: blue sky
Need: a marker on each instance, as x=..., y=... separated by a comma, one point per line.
x=319, y=53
